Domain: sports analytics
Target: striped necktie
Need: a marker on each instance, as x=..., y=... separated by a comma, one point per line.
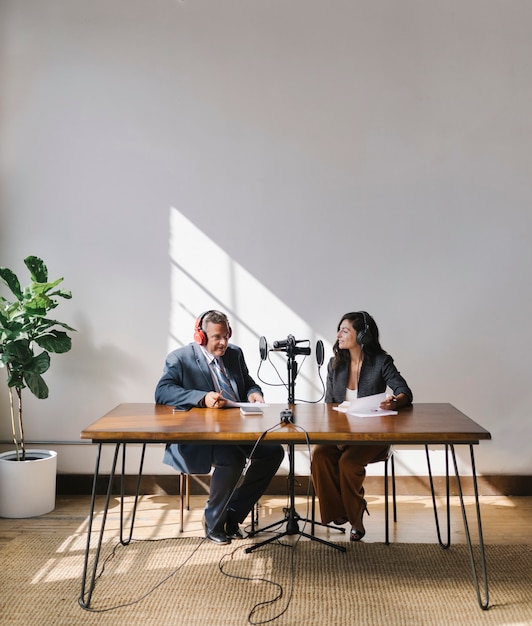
x=225, y=386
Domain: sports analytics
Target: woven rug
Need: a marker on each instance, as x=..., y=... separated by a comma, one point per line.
x=192, y=582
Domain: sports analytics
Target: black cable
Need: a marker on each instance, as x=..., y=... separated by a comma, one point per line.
x=260, y=605
x=285, y=385
x=322, y=392
x=150, y=591
x=176, y=570
x=244, y=470
x=278, y=586
x=281, y=384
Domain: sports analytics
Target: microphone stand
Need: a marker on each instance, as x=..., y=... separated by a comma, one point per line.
x=292, y=518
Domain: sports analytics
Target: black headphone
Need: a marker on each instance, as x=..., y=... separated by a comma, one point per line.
x=199, y=334
x=364, y=336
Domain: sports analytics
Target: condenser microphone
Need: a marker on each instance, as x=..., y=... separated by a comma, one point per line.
x=289, y=341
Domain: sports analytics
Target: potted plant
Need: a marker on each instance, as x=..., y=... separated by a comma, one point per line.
x=27, y=336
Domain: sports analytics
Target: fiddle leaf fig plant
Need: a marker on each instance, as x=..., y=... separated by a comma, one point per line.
x=27, y=336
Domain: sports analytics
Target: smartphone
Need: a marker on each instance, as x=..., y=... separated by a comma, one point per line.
x=250, y=410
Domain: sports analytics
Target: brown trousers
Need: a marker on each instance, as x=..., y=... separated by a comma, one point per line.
x=338, y=477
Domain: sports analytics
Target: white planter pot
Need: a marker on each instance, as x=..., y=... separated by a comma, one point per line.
x=27, y=488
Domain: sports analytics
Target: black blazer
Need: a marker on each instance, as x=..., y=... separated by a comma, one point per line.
x=376, y=374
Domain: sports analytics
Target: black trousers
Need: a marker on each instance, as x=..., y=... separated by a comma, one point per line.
x=226, y=499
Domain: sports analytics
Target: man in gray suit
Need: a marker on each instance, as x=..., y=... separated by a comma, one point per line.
x=207, y=373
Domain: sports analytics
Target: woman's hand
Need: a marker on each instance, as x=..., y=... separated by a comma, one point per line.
x=390, y=404
x=394, y=403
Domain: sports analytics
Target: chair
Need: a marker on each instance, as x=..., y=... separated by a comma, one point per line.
x=184, y=493
x=387, y=458
x=184, y=501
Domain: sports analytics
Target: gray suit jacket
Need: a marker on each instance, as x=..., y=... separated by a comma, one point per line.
x=376, y=373
x=185, y=381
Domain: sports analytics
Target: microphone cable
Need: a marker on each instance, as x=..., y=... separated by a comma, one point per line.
x=246, y=467
x=322, y=392
x=285, y=385
x=176, y=570
x=281, y=384
x=156, y=586
x=119, y=544
x=228, y=557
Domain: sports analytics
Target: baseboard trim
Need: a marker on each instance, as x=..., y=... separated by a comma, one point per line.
x=81, y=484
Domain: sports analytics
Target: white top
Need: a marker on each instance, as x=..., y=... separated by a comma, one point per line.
x=351, y=394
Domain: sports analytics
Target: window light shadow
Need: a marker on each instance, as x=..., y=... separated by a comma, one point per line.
x=203, y=277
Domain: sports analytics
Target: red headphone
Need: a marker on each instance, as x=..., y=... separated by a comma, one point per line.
x=199, y=334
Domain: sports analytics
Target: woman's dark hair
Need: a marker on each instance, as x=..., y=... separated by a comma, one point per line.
x=371, y=345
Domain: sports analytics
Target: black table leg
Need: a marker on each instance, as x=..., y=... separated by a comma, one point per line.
x=89, y=579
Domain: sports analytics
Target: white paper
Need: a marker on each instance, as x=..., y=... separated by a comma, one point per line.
x=343, y=408
x=369, y=406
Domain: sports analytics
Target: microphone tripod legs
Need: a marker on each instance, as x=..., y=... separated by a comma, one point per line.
x=292, y=518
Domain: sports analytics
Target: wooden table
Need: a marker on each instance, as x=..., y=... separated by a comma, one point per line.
x=428, y=423
x=422, y=424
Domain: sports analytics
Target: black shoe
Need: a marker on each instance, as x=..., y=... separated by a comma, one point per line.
x=233, y=531
x=357, y=534
x=216, y=535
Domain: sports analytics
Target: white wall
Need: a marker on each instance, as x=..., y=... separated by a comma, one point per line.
x=339, y=155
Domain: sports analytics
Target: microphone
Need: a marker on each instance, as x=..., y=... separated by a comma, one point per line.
x=289, y=341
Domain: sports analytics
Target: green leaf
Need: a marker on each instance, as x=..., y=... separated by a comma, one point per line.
x=37, y=268
x=40, y=304
x=39, y=364
x=16, y=379
x=39, y=288
x=36, y=385
x=18, y=352
x=63, y=325
x=62, y=293
x=55, y=341
x=45, y=323
x=11, y=280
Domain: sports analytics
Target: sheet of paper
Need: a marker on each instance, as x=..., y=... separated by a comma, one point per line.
x=343, y=408
x=369, y=406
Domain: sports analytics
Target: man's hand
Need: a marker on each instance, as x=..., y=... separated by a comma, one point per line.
x=214, y=400
x=255, y=397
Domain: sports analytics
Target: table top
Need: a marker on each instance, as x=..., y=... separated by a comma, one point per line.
x=421, y=423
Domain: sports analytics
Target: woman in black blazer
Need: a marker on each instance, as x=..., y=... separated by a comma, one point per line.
x=359, y=367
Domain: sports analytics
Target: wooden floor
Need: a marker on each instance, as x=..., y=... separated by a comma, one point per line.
x=505, y=520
